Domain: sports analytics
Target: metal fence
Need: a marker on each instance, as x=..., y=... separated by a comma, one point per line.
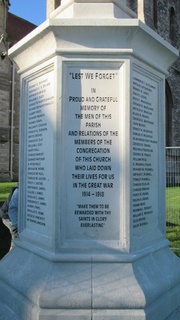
x=172, y=166
x=173, y=197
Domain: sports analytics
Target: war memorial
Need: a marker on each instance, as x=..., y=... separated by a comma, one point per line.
x=92, y=241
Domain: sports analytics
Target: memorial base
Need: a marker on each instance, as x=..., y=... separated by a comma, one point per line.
x=33, y=287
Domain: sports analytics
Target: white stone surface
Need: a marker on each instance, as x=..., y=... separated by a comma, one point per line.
x=43, y=289
x=92, y=132
x=118, y=267
x=93, y=9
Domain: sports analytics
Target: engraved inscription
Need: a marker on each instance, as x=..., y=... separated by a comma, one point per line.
x=145, y=152
x=92, y=139
x=39, y=130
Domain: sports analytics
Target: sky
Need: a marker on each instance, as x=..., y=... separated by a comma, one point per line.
x=32, y=10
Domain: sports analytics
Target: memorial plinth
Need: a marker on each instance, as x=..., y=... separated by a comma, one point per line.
x=92, y=239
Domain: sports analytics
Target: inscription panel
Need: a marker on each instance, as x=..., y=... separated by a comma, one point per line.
x=92, y=160
x=40, y=153
x=144, y=153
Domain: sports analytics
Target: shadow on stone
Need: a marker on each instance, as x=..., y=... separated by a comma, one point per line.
x=5, y=240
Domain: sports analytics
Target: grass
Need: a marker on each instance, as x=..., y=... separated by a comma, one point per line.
x=172, y=210
x=173, y=218
x=173, y=204
x=5, y=189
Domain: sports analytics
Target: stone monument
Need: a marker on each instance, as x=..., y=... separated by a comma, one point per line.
x=92, y=239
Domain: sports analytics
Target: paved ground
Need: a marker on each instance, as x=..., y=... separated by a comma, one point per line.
x=175, y=315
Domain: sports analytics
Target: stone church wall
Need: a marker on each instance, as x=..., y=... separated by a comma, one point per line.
x=163, y=16
x=9, y=106
x=4, y=99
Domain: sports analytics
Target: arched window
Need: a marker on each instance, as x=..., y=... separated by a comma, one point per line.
x=169, y=106
x=172, y=23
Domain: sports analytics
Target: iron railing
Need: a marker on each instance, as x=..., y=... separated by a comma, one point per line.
x=173, y=197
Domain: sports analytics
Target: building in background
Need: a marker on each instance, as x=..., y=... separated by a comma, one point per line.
x=12, y=29
x=163, y=16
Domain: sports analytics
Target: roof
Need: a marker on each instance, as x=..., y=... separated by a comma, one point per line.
x=18, y=28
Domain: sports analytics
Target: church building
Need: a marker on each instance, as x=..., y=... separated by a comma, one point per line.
x=12, y=29
x=163, y=16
